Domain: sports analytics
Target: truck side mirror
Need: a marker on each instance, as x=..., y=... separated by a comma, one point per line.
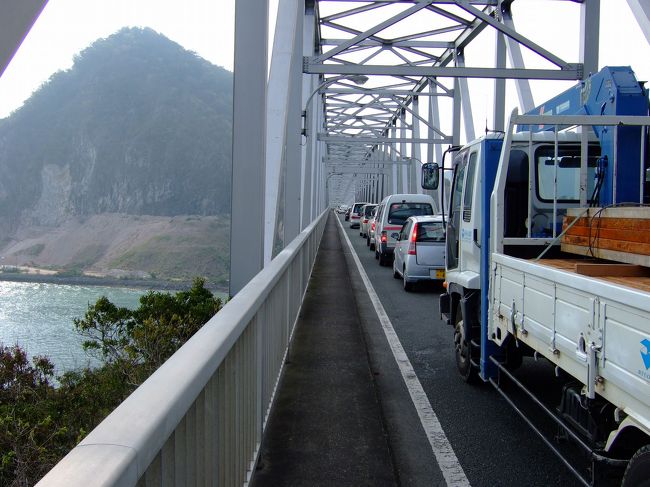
x=430, y=175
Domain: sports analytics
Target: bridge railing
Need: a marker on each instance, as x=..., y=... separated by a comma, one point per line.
x=199, y=419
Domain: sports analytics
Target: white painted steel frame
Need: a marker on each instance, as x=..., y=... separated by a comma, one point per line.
x=249, y=143
x=365, y=117
x=16, y=19
x=200, y=417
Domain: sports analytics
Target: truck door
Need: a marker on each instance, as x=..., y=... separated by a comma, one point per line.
x=455, y=211
x=470, y=225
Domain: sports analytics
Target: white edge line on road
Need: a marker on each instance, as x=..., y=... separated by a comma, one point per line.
x=449, y=465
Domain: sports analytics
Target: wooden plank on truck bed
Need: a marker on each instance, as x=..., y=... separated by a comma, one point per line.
x=619, y=234
x=613, y=255
x=641, y=283
x=613, y=270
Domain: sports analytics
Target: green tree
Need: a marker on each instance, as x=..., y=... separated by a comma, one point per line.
x=40, y=423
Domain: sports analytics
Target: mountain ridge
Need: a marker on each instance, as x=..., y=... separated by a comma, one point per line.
x=137, y=127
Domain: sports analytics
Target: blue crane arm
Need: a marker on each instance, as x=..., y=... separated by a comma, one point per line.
x=614, y=90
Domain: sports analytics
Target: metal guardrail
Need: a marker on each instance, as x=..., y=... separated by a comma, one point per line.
x=199, y=419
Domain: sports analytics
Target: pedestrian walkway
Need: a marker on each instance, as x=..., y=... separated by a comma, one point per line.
x=326, y=426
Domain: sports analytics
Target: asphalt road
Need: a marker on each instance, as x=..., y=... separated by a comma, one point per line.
x=492, y=443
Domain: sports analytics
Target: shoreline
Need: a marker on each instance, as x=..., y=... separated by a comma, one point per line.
x=153, y=284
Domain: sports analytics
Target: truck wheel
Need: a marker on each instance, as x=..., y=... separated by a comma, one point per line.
x=462, y=348
x=637, y=473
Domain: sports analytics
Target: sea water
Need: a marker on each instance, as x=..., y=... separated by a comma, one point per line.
x=39, y=317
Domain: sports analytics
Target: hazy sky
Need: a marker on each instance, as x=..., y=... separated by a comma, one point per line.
x=206, y=26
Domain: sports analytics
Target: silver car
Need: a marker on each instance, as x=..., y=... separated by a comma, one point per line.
x=420, y=251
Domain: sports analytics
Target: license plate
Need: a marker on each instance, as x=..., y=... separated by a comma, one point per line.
x=437, y=273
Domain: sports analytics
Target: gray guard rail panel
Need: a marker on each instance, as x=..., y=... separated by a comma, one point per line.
x=199, y=419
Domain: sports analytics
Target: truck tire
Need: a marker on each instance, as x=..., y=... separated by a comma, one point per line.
x=462, y=348
x=637, y=473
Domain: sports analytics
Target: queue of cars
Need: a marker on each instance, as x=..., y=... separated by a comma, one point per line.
x=403, y=231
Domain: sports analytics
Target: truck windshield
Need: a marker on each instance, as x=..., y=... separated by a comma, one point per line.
x=399, y=212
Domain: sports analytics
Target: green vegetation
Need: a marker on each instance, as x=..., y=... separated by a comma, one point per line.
x=181, y=255
x=40, y=423
x=89, y=255
x=34, y=250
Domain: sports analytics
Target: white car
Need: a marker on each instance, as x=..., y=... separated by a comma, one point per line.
x=391, y=216
x=420, y=251
x=368, y=213
x=355, y=214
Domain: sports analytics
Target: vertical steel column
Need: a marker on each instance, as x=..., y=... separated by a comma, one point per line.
x=397, y=179
x=589, y=36
x=433, y=150
x=316, y=155
x=416, y=149
x=249, y=142
x=308, y=86
x=526, y=102
x=403, y=168
x=293, y=176
x=465, y=99
x=455, y=135
x=499, y=116
x=277, y=115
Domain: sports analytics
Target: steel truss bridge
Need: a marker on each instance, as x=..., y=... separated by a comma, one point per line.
x=358, y=95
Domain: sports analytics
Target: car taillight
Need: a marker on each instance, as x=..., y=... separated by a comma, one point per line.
x=372, y=227
x=365, y=220
x=414, y=237
x=384, y=237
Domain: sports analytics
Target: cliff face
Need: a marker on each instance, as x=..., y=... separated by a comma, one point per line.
x=137, y=126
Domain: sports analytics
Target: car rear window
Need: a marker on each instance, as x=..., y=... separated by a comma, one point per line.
x=431, y=232
x=370, y=210
x=399, y=212
x=357, y=207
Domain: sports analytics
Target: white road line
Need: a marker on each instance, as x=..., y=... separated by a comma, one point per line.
x=444, y=453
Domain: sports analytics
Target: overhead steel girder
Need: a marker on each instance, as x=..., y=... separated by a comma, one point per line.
x=364, y=162
x=364, y=171
x=383, y=92
x=574, y=72
x=341, y=139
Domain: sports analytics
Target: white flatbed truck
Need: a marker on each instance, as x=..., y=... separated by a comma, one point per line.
x=515, y=289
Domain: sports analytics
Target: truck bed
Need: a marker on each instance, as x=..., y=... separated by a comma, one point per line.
x=639, y=282
x=558, y=312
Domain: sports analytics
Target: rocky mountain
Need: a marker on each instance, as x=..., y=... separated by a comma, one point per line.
x=138, y=125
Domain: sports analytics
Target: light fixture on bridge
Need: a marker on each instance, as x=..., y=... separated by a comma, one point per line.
x=358, y=79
